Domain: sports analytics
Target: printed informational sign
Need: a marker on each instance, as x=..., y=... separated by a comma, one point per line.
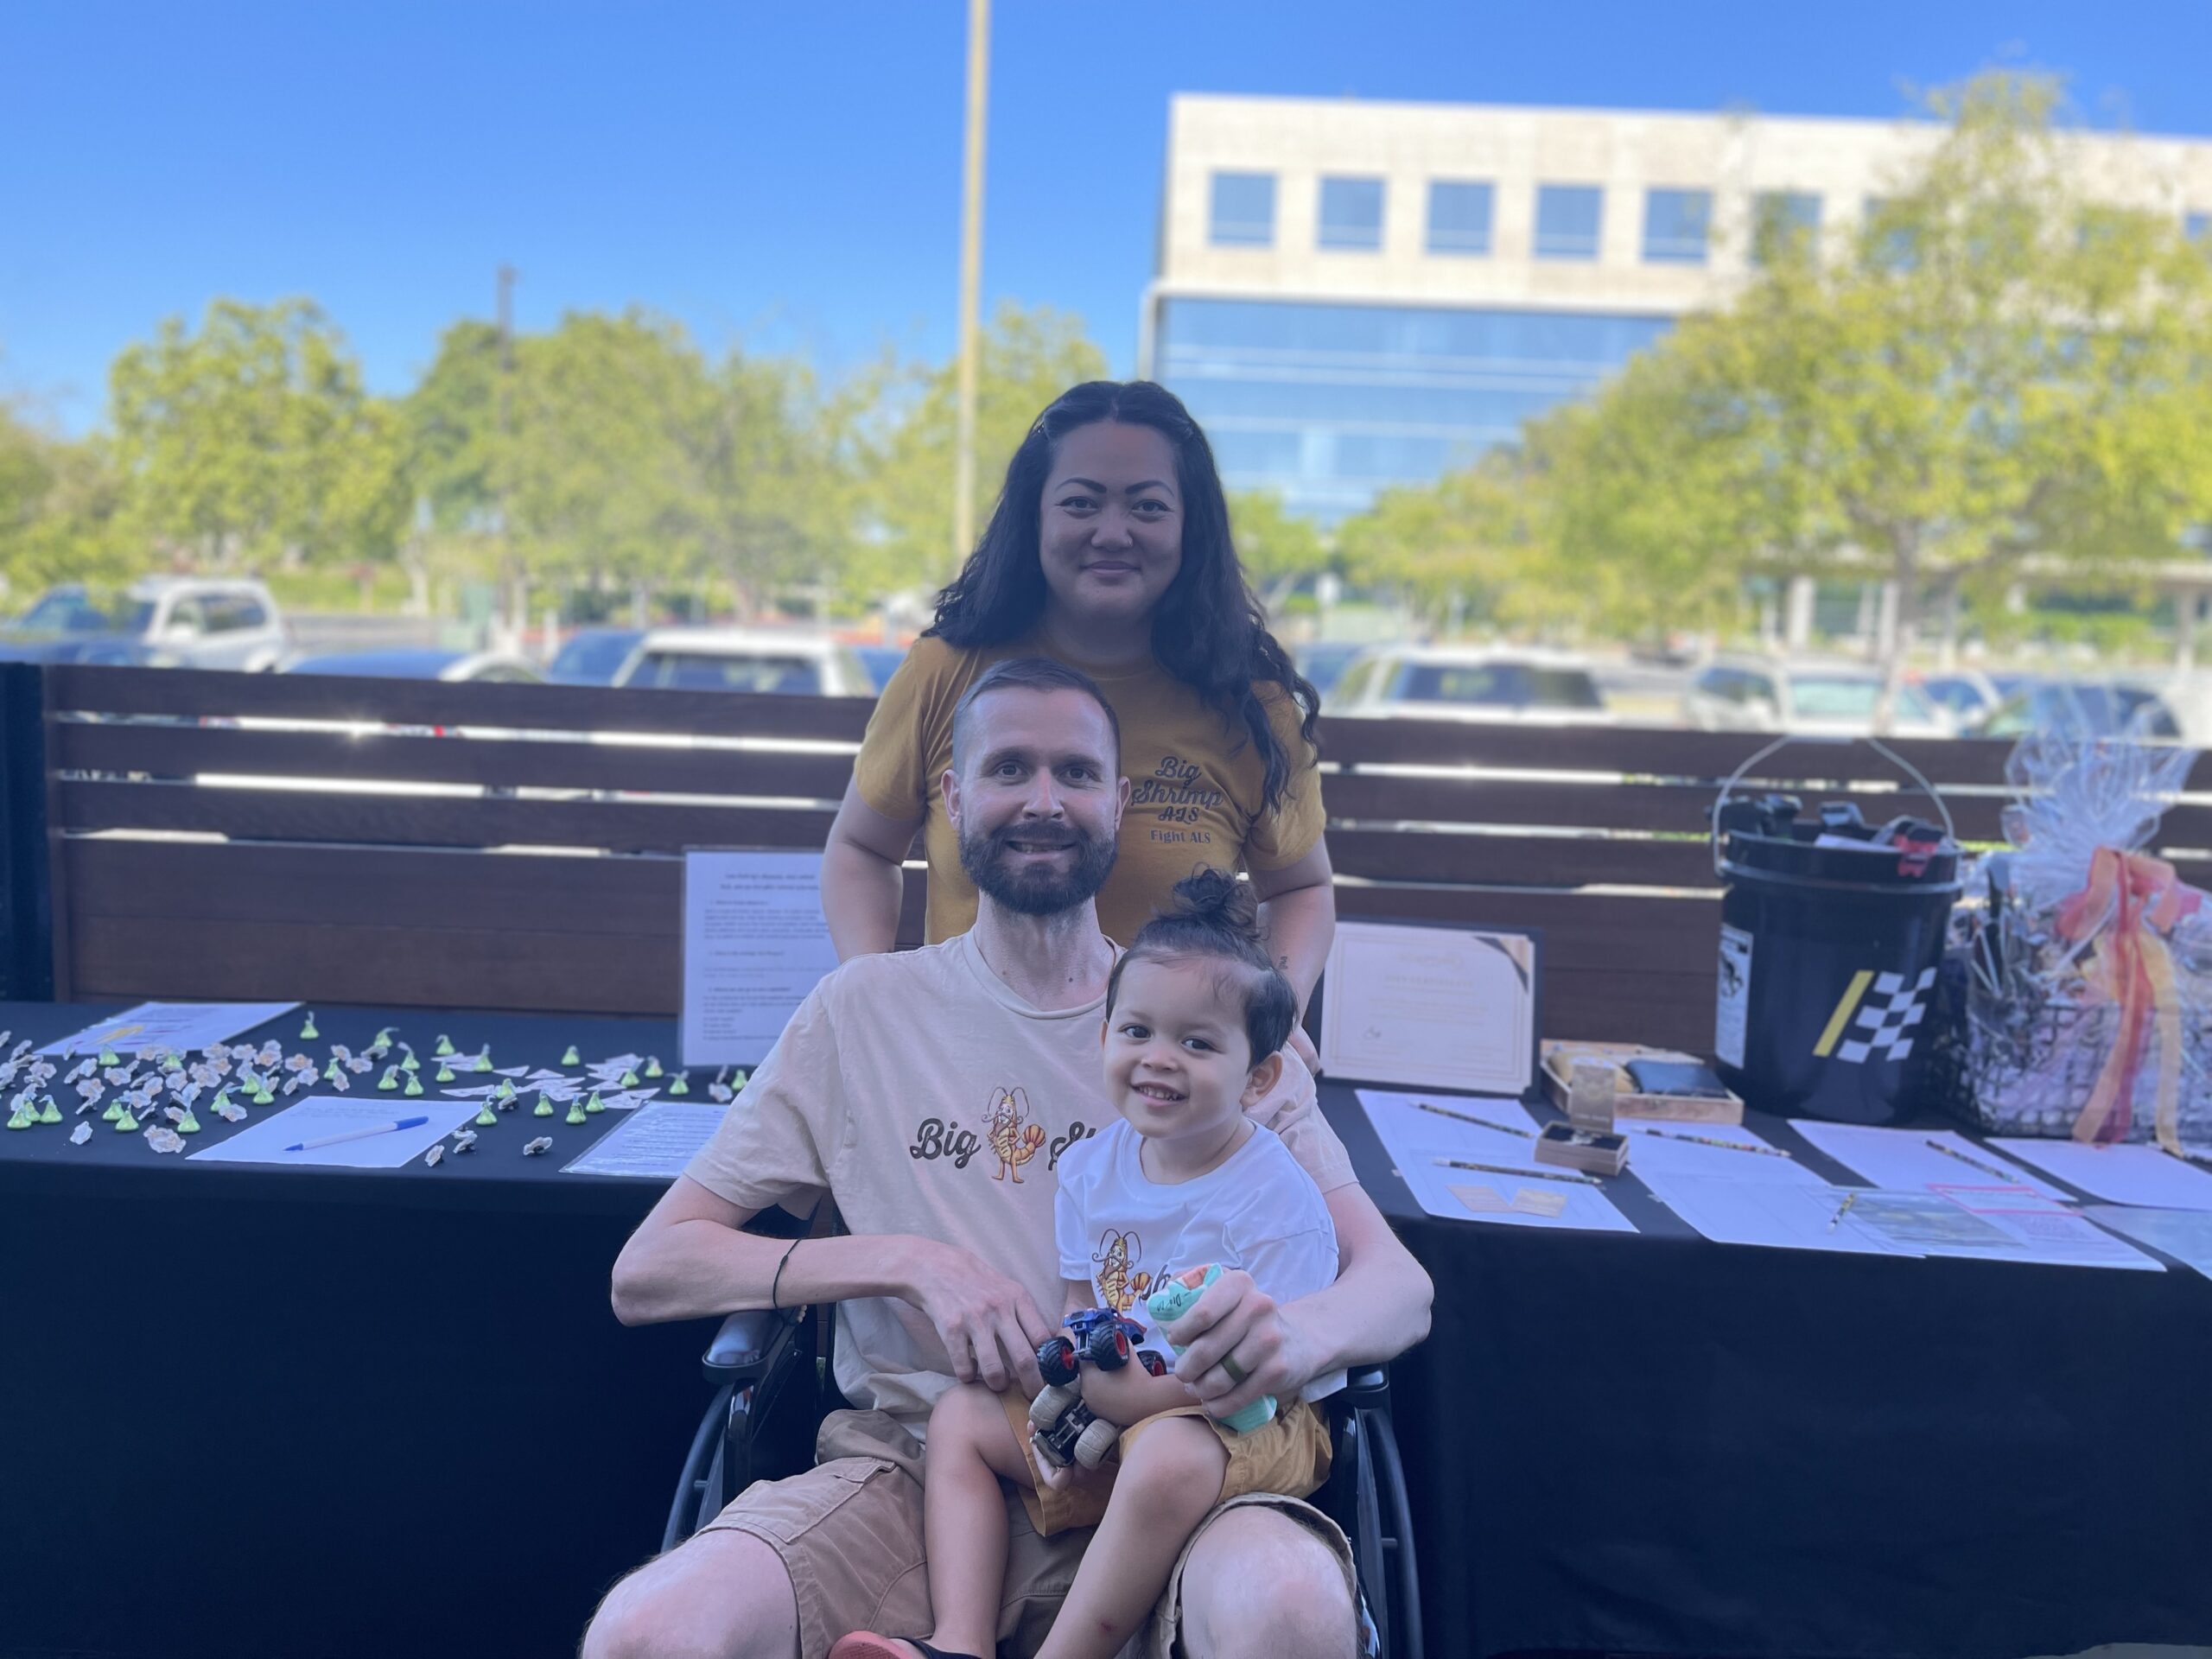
x=1437, y=1008
x=755, y=944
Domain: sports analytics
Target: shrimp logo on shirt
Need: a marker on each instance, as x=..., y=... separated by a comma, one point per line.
x=1011, y=1134
x=1118, y=1287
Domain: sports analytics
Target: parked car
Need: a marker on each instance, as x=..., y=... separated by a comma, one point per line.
x=593, y=656
x=1324, y=662
x=1503, y=683
x=2093, y=710
x=1966, y=694
x=786, y=662
x=480, y=667
x=159, y=622
x=881, y=661
x=1757, y=694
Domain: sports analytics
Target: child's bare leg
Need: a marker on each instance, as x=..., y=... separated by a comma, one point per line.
x=1172, y=1476
x=971, y=1446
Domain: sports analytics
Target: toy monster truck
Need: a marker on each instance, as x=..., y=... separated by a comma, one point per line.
x=1067, y=1431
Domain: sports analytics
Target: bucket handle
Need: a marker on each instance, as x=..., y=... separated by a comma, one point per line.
x=1783, y=742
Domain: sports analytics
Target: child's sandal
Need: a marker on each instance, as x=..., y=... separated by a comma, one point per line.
x=865, y=1644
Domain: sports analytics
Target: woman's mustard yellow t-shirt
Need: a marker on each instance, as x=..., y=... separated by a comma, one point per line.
x=1196, y=781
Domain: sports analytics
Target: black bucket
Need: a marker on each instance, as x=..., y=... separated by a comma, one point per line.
x=1828, y=960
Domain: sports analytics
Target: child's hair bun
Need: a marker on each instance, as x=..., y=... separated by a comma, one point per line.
x=1218, y=897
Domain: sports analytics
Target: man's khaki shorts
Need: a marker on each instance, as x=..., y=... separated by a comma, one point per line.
x=849, y=1534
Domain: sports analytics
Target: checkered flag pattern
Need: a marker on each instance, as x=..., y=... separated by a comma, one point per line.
x=1886, y=1019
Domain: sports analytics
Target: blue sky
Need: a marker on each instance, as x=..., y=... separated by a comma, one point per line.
x=788, y=174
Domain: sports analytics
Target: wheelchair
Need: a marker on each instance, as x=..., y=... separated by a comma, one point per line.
x=771, y=1391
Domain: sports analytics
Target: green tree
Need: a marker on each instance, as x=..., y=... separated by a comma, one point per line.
x=629, y=458
x=1278, y=549
x=253, y=440
x=1028, y=358
x=1464, y=549
x=1995, y=369
x=58, y=503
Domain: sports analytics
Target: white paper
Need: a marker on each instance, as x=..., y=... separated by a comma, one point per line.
x=1780, y=1215
x=1400, y=1115
x=657, y=1141
x=1436, y=1007
x=186, y=1027
x=1902, y=1160
x=2139, y=1175
x=2185, y=1234
x=2050, y=1232
x=755, y=944
x=1415, y=1140
x=2006, y=1224
x=1657, y=1148
x=263, y=1141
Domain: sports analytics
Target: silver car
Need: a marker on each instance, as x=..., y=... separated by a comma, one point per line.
x=160, y=622
x=1757, y=694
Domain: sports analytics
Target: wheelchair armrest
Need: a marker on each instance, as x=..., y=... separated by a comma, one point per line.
x=749, y=1344
x=1368, y=1385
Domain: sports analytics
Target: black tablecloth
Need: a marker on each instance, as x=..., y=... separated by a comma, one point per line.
x=307, y=1414
x=1653, y=1444
x=320, y=1412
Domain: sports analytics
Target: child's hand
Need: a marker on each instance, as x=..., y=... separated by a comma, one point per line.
x=1072, y=1478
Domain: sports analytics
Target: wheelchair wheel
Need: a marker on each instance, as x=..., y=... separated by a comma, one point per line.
x=1046, y=1408
x=1092, y=1446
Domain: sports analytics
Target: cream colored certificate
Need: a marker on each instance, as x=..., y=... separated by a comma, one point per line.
x=1440, y=1007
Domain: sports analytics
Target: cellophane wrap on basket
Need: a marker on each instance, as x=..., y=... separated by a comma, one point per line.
x=2087, y=982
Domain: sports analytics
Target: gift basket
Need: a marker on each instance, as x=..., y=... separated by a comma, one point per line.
x=2082, y=989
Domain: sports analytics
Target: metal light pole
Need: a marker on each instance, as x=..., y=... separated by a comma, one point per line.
x=971, y=277
x=511, y=570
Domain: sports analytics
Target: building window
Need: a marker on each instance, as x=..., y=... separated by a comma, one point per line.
x=1459, y=218
x=1351, y=215
x=1244, y=211
x=1781, y=218
x=1677, y=226
x=1567, y=217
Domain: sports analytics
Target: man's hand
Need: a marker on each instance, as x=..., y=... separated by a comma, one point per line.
x=989, y=1326
x=1237, y=1345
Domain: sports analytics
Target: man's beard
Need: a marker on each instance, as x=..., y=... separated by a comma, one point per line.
x=1036, y=891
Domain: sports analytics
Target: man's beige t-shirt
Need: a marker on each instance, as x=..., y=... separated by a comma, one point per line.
x=928, y=1098
x=1197, y=785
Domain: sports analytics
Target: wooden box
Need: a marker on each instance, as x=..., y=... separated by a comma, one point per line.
x=1559, y=1056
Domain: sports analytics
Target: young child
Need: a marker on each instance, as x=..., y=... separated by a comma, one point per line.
x=1195, y=1015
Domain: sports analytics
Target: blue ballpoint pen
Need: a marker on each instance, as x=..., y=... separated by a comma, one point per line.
x=359, y=1134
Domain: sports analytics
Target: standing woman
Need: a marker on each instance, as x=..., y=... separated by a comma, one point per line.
x=1110, y=551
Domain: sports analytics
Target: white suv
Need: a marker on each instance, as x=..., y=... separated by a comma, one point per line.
x=1521, y=685
x=785, y=662
x=160, y=622
x=1757, y=694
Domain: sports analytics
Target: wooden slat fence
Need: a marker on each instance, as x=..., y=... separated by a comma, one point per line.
x=341, y=839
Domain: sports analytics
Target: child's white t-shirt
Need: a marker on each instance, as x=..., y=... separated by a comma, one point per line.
x=1127, y=1233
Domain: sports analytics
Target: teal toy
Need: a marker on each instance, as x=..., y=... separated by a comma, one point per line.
x=1175, y=1298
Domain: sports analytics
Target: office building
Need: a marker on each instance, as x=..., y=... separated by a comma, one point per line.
x=1354, y=295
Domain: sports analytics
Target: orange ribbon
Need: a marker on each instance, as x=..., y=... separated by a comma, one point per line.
x=2133, y=900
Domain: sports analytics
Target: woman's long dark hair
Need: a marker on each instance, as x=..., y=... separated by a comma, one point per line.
x=1207, y=630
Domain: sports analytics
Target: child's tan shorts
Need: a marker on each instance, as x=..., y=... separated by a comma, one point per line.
x=1288, y=1455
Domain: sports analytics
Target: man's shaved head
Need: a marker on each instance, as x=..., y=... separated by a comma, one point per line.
x=1026, y=674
